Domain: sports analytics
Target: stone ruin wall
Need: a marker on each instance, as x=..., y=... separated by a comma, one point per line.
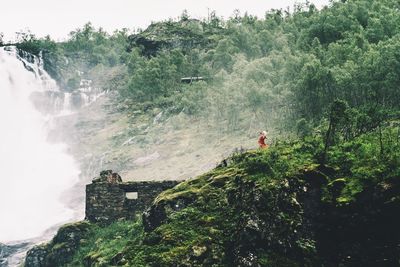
x=108, y=199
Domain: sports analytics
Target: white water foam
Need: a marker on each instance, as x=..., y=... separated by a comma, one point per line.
x=34, y=172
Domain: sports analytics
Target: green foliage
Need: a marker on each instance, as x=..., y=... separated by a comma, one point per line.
x=157, y=77
x=337, y=69
x=279, y=204
x=103, y=246
x=258, y=72
x=303, y=128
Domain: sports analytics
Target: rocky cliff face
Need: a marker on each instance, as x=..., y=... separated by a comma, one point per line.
x=60, y=250
x=13, y=254
x=288, y=224
x=4, y=253
x=185, y=34
x=276, y=207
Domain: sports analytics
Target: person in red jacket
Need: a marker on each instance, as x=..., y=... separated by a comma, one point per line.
x=261, y=140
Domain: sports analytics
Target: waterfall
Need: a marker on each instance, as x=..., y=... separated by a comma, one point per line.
x=34, y=172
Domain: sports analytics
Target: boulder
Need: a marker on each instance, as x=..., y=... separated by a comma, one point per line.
x=60, y=250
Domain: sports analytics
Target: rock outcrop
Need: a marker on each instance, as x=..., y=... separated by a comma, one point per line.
x=4, y=252
x=275, y=207
x=60, y=250
x=185, y=34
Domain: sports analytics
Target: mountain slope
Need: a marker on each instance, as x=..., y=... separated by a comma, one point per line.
x=275, y=207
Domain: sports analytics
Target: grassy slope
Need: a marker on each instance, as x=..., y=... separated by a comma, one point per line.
x=276, y=207
x=136, y=144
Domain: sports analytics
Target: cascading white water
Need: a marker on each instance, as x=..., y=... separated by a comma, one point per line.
x=34, y=172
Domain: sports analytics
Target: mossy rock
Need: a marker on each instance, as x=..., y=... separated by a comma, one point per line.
x=61, y=249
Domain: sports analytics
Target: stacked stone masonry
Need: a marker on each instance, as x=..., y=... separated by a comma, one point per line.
x=108, y=199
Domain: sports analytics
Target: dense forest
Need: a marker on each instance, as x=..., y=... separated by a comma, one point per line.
x=284, y=68
x=327, y=79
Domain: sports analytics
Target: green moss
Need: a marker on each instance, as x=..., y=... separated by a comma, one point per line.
x=263, y=203
x=105, y=243
x=59, y=246
x=349, y=192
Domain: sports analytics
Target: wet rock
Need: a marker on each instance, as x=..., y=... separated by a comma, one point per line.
x=60, y=250
x=36, y=257
x=12, y=254
x=158, y=212
x=154, y=217
x=4, y=252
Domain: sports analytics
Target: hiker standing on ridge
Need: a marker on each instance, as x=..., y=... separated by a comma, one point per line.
x=261, y=140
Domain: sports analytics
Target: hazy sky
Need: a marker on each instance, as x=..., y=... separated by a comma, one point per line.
x=58, y=17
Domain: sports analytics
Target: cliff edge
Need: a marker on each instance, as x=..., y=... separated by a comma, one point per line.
x=274, y=207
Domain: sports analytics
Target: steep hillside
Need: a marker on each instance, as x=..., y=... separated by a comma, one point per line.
x=274, y=207
x=258, y=73
x=277, y=69
x=152, y=145
x=137, y=143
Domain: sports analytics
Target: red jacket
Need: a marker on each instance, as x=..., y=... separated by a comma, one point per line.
x=261, y=141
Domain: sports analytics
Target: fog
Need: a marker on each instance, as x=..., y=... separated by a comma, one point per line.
x=35, y=173
x=58, y=18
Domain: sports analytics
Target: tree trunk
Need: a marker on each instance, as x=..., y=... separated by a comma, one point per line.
x=328, y=137
x=380, y=140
